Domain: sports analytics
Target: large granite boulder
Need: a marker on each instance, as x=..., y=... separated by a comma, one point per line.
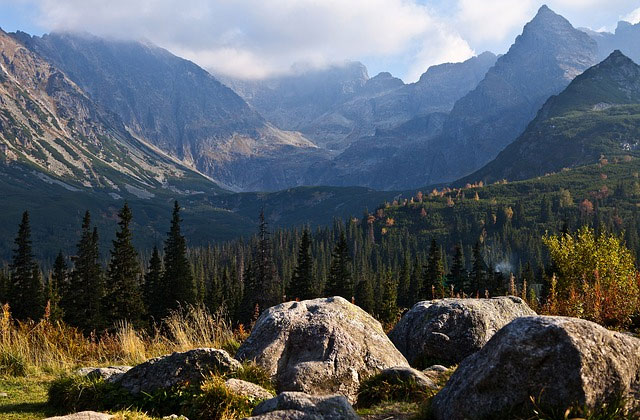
x=448, y=330
x=178, y=368
x=320, y=346
x=556, y=360
x=301, y=406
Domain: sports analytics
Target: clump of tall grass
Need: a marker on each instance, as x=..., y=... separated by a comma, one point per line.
x=54, y=347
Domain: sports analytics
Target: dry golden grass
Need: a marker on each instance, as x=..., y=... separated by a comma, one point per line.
x=45, y=346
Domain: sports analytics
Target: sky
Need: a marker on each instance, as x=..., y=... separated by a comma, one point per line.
x=254, y=39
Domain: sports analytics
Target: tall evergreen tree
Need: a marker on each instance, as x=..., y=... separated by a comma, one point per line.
x=81, y=303
x=364, y=295
x=123, y=298
x=478, y=271
x=303, y=279
x=153, y=289
x=340, y=281
x=57, y=286
x=404, y=283
x=415, y=286
x=458, y=270
x=267, y=277
x=178, y=282
x=25, y=287
x=388, y=302
x=434, y=272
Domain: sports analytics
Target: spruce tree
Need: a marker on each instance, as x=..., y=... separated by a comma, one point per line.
x=415, y=286
x=269, y=288
x=434, y=272
x=82, y=302
x=302, y=282
x=364, y=295
x=25, y=287
x=458, y=270
x=478, y=271
x=178, y=282
x=57, y=286
x=340, y=281
x=388, y=303
x=404, y=283
x=153, y=289
x=250, y=295
x=123, y=298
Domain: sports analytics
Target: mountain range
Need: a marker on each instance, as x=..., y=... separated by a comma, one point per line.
x=87, y=122
x=597, y=115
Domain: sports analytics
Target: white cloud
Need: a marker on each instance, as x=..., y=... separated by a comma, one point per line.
x=633, y=17
x=258, y=38
x=255, y=38
x=492, y=21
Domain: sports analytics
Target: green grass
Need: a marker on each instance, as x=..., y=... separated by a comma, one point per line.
x=26, y=398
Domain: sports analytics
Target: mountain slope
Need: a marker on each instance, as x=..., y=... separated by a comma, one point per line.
x=340, y=104
x=543, y=60
x=49, y=125
x=597, y=114
x=180, y=108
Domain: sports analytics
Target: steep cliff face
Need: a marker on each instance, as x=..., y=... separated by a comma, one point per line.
x=597, y=114
x=543, y=60
x=180, y=108
x=48, y=124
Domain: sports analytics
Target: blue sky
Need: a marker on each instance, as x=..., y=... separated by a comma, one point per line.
x=262, y=38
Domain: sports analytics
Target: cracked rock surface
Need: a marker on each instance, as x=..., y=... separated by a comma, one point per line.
x=320, y=346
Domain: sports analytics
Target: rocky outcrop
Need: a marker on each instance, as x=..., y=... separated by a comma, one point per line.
x=559, y=361
x=448, y=330
x=320, y=346
x=177, y=368
x=247, y=389
x=84, y=415
x=108, y=374
x=297, y=405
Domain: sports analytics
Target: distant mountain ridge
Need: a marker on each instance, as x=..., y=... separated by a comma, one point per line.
x=598, y=114
x=338, y=105
x=180, y=108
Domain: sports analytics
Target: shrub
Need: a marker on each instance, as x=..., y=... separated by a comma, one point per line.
x=597, y=279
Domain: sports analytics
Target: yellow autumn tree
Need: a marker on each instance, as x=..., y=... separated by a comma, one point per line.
x=596, y=277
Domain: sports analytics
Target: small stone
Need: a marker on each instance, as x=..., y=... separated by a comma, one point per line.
x=248, y=389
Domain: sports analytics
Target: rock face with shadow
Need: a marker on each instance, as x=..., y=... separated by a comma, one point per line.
x=558, y=361
x=321, y=346
x=448, y=330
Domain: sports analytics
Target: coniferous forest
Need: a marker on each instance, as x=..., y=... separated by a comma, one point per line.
x=472, y=241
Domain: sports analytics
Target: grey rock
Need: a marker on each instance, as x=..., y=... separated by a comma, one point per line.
x=84, y=415
x=436, y=372
x=109, y=374
x=557, y=360
x=320, y=346
x=449, y=330
x=297, y=405
x=402, y=374
x=177, y=368
x=248, y=389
